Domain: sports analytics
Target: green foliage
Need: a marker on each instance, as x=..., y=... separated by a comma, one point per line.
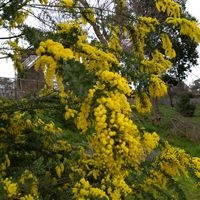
x=184, y=106
x=36, y=147
x=76, y=78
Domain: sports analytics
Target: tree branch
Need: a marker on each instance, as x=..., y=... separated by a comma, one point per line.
x=7, y=38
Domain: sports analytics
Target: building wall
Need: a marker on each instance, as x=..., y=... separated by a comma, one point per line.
x=31, y=81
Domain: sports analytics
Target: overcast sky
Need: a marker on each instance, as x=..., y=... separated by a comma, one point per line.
x=193, y=6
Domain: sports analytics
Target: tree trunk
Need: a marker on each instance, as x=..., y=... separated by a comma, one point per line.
x=155, y=112
x=170, y=96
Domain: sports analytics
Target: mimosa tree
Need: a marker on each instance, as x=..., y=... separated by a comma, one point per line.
x=116, y=159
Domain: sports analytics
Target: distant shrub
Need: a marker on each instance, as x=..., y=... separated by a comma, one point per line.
x=184, y=106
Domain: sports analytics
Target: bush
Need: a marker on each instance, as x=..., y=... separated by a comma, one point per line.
x=184, y=106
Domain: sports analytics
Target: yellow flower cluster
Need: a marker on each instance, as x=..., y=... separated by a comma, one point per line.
x=157, y=88
x=150, y=141
x=92, y=57
x=95, y=59
x=158, y=64
x=111, y=117
x=51, y=127
x=88, y=16
x=142, y=103
x=68, y=3
x=28, y=177
x=148, y=23
x=62, y=145
x=187, y=27
x=1, y=21
x=59, y=170
x=50, y=62
x=66, y=27
x=144, y=26
x=167, y=46
x=122, y=3
x=174, y=161
x=115, y=80
x=43, y=1
x=169, y=6
x=19, y=19
x=70, y=113
x=55, y=49
x=27, y=197
x=17, y=57
x=196, y=164
x=10, y=187
x=4, y=165
x=114, y=42
x=82, y=117
x=156, y=178
x=83, y=190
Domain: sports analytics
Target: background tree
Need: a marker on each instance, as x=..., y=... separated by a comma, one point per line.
x=195, y=87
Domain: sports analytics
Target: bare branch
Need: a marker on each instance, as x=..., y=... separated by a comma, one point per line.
x=11, y=37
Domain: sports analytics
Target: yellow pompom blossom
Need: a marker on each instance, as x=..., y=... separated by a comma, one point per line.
x=51, y=127
x=167, y=46
x=174, y=161
x=62, y=145
x=1, y=21
x=55, y=49
x=83, y=190
x=43, y=1
x=187, y=27
x=148, y=24
x=4, y=165
x=82, y=117
x=150, y=141
x=27, y=197
x=50, y=63
x=66, y=27
x=122, y=3
x=17, y=56
x=10, y=187
x=19, y=19
x=142, y=103
x=68, y=3
x=88, y=16
x=157, y=88
x=158, y=64
x=169, y=6
x=140, y=32
x=116, y=138
x=114, y=42
x=115, y=80
x=70, y=113
x=95, y=59
x=59, y=170
x=156, y=178
x=92, y=57
x=196, y=164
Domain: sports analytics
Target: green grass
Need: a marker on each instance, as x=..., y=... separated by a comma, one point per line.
x=181, y=135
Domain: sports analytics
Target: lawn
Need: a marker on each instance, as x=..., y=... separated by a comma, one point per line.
x=180, y=131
